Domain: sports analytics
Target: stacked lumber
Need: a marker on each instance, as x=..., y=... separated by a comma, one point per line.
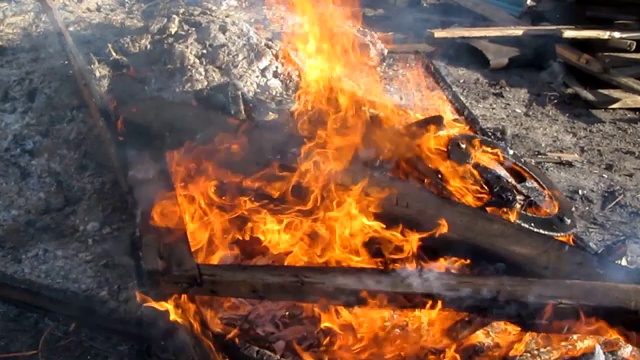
x=598, y=40
x=617, y=59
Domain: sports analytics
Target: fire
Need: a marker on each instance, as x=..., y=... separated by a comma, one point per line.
x=303, y=217
x=183, y=312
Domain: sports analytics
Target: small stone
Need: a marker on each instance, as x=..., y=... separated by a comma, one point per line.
x=32, y=253
x=274, y=85
x=93, y=227
x=106, y=230
x=598, y=354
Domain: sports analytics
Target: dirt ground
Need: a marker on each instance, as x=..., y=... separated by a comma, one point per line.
x=64, y=221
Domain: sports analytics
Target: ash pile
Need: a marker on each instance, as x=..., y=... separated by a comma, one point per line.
x=66, y=225
x=200, y=54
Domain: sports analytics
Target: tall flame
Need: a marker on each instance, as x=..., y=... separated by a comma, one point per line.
x=302, y=217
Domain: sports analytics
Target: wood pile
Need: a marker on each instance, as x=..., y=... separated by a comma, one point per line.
x=598, y=39
x=617, y=59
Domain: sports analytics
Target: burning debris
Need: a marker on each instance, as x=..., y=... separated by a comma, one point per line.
x=316, y=211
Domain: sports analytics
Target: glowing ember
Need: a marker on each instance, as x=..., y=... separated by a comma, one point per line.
x=303, y=218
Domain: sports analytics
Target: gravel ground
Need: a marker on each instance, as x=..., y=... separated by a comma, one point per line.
x=63, y=220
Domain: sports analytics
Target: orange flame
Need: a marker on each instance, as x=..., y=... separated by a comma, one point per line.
x=304, y=218
x=183, y=312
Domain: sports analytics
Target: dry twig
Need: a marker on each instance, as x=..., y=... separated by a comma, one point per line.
x=613, y=202
x=18, y=354
x=41, y=343
x=32, y=352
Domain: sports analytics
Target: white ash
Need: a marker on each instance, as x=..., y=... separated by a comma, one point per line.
x=185, y=49
x=417, y=279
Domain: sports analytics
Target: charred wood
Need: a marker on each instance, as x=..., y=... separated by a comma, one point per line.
x=541, y=256
x=518, y=300
x=466, y=326
x=128, y=318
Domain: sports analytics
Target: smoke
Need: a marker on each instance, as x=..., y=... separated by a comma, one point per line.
x=144, y=176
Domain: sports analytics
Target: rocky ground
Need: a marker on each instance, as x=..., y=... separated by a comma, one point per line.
x=63, y=220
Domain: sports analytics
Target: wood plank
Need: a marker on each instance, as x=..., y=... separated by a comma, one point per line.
x=562, y=31
x=594, y=67
x=494, y=31
x=84, y=308
x=519, y=300
x=618, y=44
x=579, y=59
x=619, y=59
x=540, y=255
x=626, y=71
x=612, y=99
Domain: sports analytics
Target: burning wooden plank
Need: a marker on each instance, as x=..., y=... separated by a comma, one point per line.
x=537, y=254
x=522, y=301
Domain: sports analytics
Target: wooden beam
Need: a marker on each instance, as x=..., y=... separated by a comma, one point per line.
x=594, y=67
x=519, y=300
x=618, y=44
x=540, y=255
x=619, y=59
x=579, y=59
x=612, y=99
x=626, y=71
x=562, y=31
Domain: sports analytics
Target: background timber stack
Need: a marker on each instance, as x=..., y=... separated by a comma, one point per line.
x=614, y=61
